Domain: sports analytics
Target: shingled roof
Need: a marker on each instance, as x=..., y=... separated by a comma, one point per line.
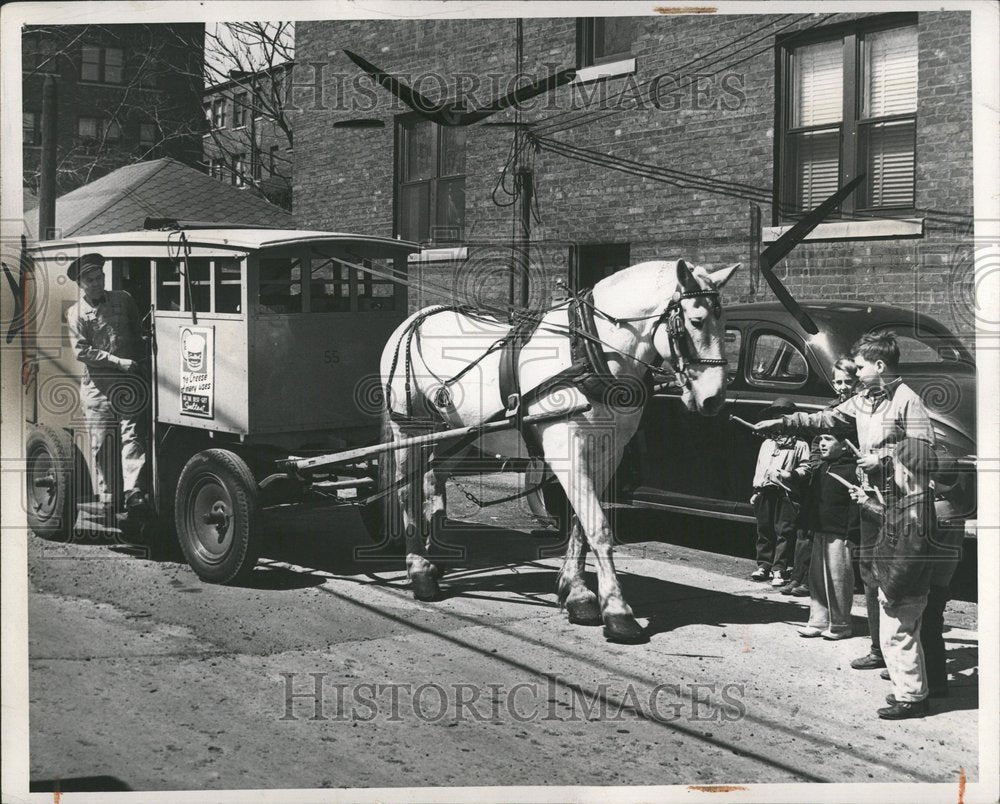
x=161, y=188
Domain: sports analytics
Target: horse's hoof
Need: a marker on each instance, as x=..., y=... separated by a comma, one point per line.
x=624, y=629
x=585, y=611
x=425, y=588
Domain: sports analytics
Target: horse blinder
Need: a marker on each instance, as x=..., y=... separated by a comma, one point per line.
x=680, y=355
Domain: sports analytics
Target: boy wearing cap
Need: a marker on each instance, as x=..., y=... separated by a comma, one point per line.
x=885, y=411
x=903, y=564
x=781, y=460
x=105, y=335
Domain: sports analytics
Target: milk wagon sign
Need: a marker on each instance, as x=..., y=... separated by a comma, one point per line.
x=197, y=395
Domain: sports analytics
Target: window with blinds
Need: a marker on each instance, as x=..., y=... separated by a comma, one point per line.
x=849, y=105
x=817, y=113
x=888, y=126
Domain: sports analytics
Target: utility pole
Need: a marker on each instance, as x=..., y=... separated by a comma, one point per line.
x=524, y=181
x=47, y=180
x=523, y=187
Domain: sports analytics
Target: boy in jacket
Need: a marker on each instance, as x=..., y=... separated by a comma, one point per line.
x=781, y=461
x=885, y=411
x=903, y=564
x=828, y=511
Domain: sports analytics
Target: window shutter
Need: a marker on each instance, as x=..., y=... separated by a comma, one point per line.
x=818, y=84
x=891, y=73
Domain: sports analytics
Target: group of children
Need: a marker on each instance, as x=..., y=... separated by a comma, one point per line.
x=867, y=477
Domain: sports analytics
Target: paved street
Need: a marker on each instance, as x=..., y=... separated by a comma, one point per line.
x=324, y=672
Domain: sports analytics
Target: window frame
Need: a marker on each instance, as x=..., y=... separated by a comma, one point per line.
x=241, y=110
x=103, y=126
x=217, y=168
x=147, y=126
x=213, y=281
x=404, y=122
x=586, y=43
x=240, y=170
x=850, y=158
x=749, y=348
x=40, y=55
x=102, y=64
x=218, y=120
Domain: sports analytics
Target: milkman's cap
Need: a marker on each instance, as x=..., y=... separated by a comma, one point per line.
x=81, y=265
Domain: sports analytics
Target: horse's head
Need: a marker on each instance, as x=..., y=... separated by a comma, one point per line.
x=691, y=337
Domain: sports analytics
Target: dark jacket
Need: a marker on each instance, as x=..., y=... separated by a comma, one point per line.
x=828, y=506
x=906, y=552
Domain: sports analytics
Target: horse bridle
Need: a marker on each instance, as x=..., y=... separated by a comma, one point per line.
x=681, y=356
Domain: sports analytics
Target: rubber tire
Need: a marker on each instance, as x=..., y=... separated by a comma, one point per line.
x=231, y=472
x=47, y=443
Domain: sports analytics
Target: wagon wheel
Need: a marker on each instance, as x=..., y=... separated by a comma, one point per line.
x=49, y=476
x=217, y=516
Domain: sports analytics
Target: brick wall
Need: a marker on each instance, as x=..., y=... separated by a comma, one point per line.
x=724, y=133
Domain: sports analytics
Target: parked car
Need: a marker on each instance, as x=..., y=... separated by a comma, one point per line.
x=691, y=464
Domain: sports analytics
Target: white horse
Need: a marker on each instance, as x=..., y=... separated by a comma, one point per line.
x=649, y=312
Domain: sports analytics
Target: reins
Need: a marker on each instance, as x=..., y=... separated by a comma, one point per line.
x=681, y=356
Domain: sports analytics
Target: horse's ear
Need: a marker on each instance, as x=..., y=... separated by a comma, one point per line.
x=720, y=277
x=685, y=279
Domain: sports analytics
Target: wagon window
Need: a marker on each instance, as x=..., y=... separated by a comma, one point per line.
x=777, y=360
x=228, y=284
x=168, y=285
x=280, y=285
x=201, y=286
x=329, y=287
x=375, y=292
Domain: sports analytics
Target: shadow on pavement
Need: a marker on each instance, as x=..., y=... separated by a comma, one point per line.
x=79, y=784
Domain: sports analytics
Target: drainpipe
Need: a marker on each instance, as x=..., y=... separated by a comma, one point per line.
x=47, y=183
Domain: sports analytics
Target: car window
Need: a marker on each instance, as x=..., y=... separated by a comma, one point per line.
x=733, y=342
x=777, y=360
x=914, y=350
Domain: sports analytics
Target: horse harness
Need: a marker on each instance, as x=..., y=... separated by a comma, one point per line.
x=589, y=368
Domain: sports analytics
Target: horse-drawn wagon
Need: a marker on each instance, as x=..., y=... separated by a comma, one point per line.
x=262, y=344
x=264, y=383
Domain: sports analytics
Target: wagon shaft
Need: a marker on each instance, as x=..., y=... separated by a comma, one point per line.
x=351, y=455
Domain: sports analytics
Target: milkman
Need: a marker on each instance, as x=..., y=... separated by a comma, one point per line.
x=104, y=331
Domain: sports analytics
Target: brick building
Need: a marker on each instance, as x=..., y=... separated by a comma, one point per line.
x=248, y=142
x=713, y=115
x=126, y=93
